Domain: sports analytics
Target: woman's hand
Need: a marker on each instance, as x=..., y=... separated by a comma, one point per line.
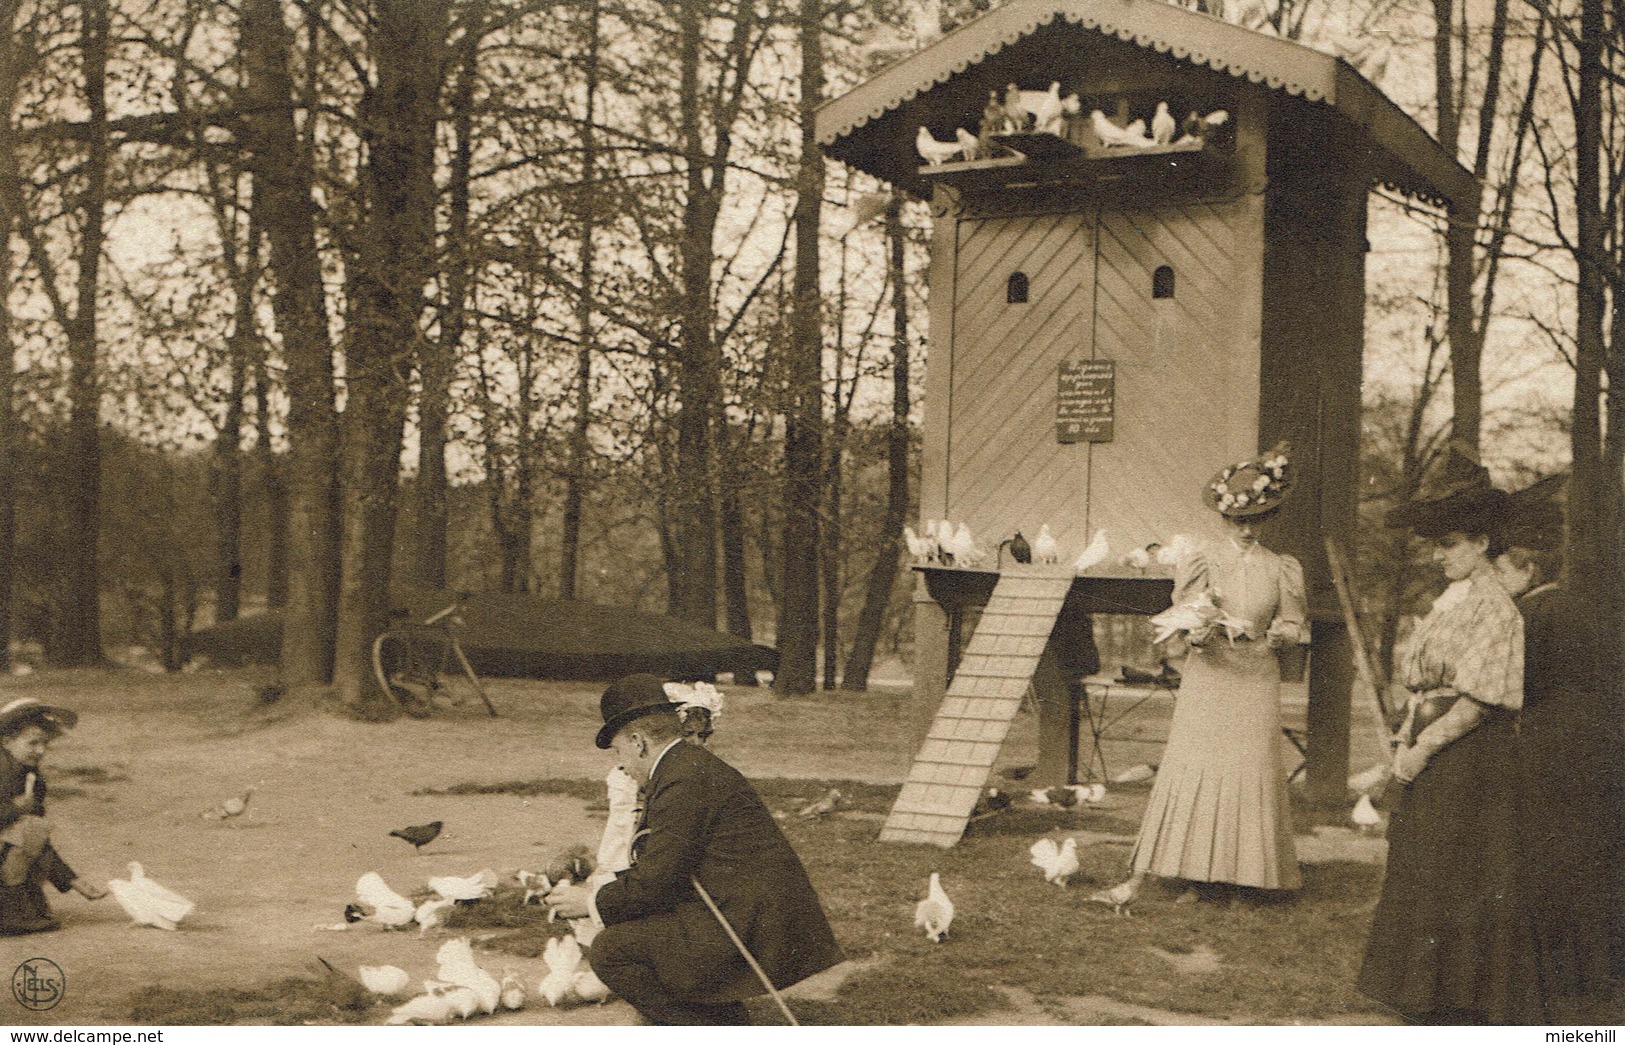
x=1410, y=761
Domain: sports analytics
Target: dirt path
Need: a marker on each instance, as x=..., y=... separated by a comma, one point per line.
x=328, y=791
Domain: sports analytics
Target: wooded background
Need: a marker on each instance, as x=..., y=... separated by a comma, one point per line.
x=307, y=299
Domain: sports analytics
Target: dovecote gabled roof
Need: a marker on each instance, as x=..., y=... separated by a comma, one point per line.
x=872, y=127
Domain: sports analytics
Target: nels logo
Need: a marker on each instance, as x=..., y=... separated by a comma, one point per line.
x=38, y=984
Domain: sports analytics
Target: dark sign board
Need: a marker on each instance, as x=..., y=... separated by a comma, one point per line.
x=1084, y=401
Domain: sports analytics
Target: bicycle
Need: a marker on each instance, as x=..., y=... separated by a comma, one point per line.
x=409, y=659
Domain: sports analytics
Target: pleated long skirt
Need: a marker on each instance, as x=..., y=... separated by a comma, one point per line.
x=1219, y=810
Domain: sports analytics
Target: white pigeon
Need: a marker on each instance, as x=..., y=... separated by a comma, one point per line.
x=1139, y=558
x=935, y=913
x=147, y=902
x=966, y=552
x=435, y=1009
x=1176, y=550
x=464, y=1002
x=932, y=151
x=970, y=146
x=1094, y=554
x=389, y=908
x=1163, y=125
x=919, y=548
x=1097, y=794
x=1058, y=862
x=1071, y=105
x=432, y=914
x=1365, y=815
x=1135, y=774
x=1044, y=549
x=457, y=966
x=1046, y=107
x=1216, y=118
x=587, y=987
x=945, y=538
x=384, y=979
x=1132, y=136
x=562, y=955
x=450, y=887
x=513, y=990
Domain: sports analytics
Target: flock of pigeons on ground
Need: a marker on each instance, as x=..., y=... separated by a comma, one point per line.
x=1047, y=112
x=944, y=544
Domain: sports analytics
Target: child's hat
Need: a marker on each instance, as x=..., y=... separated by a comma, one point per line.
x=27, y=710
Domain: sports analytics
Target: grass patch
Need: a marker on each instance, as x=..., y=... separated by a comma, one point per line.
x=586, y=790
x=290, y=1001
x=856, y=795
x=91, y=774
x=1288, y=960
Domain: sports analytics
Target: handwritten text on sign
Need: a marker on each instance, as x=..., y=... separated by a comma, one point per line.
x=1084, y=402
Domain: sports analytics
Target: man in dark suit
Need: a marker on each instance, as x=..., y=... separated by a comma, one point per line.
x=661, y=948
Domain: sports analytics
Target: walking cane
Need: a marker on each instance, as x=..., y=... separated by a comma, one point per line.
x=740, y=944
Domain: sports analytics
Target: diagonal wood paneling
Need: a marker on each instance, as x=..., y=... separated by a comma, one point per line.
x=1005, y=469
x=1187, y=377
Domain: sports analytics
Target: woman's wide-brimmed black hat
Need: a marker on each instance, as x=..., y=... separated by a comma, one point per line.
x=1465, y=501
x=54, y=720
x=628, y=699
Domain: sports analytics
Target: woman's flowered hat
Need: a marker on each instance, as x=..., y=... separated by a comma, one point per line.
x=1251, y=488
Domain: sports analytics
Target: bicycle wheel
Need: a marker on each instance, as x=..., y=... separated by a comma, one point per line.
x=399, y=676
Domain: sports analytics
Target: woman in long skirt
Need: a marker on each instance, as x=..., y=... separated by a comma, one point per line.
x=1219, y=812
x=1451, y=939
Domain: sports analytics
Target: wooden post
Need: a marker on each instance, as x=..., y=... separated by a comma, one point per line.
x=1329, y=686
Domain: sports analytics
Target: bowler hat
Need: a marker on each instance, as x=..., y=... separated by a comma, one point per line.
x=630, y=698
x=27, y=710
x=1250, y=488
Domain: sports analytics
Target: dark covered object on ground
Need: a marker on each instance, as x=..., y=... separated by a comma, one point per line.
x=519, y=636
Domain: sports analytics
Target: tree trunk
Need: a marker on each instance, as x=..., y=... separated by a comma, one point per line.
x=735, y=590
x=693, y=584
x=10, y=71
x=81, y=594
x=883, y=575
x=272, y=487
x=1590, y=539
x=831, y=540
x=228, y=463
x=282, y=201
x=587, y=215
x=436, y=361
x=395, y=257
x=803, y=424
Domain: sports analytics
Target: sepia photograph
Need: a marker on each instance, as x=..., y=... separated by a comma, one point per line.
x=812, y=513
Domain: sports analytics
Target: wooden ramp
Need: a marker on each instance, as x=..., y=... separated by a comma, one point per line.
x=953, y=765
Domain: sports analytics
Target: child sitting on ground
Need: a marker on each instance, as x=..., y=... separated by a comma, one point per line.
x=27, y=859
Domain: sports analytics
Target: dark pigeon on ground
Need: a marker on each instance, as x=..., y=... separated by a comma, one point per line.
x=419, y=836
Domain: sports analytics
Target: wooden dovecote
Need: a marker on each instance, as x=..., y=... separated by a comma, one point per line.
x=1213, y=279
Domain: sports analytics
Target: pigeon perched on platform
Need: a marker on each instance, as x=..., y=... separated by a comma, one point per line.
x=1045, y=107
x=1058, y=862
x=1020, y=550
x=1095, y=554
x=970, y=146
x=1044, y=548
x=934, y=152
x=381, y=904
x=935, y=913
x=231, y=807
x=1141, y=558
x=1132, y=136
x=388, y=980
x=919, y=548
x=420, y=835
x=1197, y=126
x=1163, y=125
x=1177, y=550
x=147, y=902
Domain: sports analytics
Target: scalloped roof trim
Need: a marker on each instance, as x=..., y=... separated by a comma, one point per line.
x=1027, y=26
